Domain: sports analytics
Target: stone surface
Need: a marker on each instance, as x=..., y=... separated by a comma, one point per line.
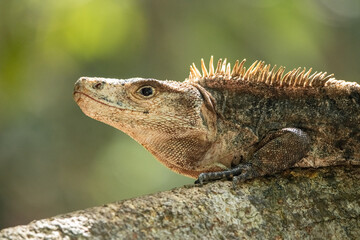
x=298, y=204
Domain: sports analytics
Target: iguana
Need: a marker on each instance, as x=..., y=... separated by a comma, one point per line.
x=240, y=123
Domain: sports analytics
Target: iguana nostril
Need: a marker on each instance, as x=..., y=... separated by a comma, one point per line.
x=98, y=86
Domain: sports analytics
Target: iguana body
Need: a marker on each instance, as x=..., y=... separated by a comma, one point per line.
x=242, y=122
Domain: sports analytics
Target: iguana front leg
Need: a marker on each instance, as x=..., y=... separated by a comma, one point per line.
x=278, y=151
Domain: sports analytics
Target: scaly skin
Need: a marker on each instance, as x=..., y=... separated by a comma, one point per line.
x=244, y=123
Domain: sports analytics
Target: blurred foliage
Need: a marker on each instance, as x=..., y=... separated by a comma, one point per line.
x=53, y=159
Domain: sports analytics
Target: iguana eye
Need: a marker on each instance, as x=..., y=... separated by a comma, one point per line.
x=146, y=91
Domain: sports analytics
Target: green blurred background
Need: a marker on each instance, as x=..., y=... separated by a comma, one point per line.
x=54, y=159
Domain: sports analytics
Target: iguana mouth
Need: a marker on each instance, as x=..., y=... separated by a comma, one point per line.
x=77, y=97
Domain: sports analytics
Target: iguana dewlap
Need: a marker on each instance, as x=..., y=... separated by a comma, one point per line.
x=244, y=122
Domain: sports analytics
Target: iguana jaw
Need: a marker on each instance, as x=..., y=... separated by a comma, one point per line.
x=78, y=97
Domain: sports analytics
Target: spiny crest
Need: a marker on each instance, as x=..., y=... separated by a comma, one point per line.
x=260, y=72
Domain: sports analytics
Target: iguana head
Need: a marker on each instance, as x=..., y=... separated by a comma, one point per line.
x=173, y=120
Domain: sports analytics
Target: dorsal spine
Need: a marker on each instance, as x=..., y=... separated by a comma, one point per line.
x=260, y=72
